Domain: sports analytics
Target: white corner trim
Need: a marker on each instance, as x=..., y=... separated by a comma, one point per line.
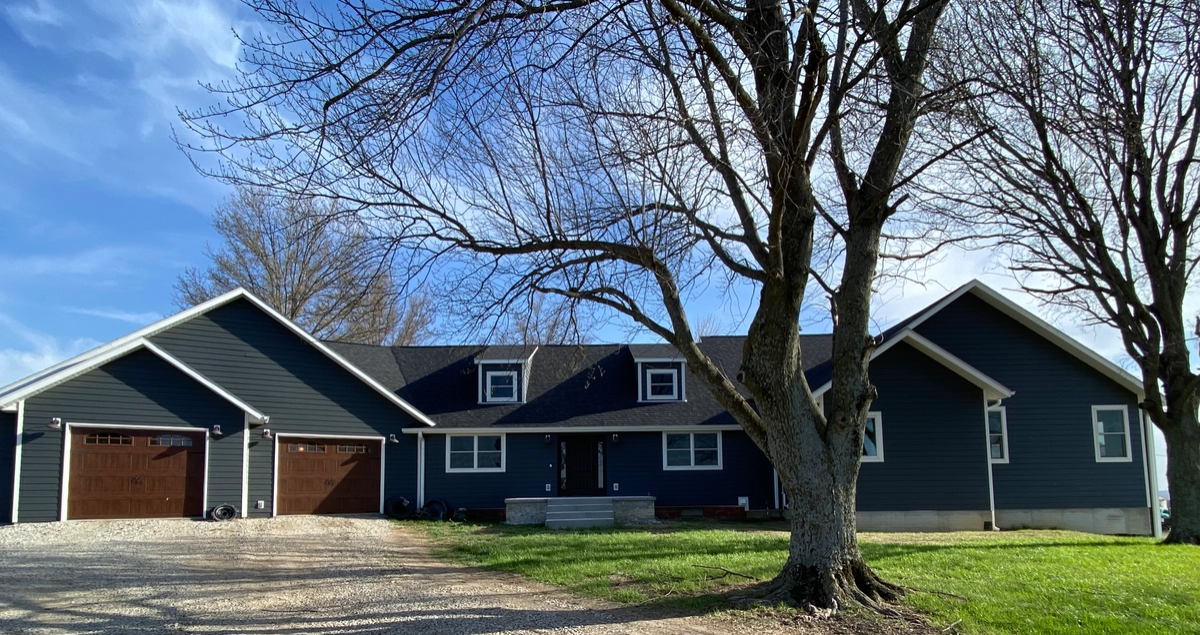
x=475, y=453
x=692, y=440
x=16, y=493
x=246, y=466
x=878, y=417
x=1151, y=473
x=1124, y=410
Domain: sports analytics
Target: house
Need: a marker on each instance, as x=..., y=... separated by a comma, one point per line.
x=986, y=416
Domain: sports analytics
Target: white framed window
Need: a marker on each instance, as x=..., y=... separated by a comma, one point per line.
x=997, y=422
x=692, y=450
x=500, y=386
x=873, y=439
x=475, y=453
x=1110, y=429
x=662, y=384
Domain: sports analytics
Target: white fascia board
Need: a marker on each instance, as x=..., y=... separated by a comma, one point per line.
x=72, y=371
x=660, y=360
x=341, y=361
x=992, y=389
x=572, y=429
x=119, y=343
x=253, y=412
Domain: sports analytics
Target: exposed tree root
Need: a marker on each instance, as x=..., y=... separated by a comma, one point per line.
x=1177, y=537
x=823, y=593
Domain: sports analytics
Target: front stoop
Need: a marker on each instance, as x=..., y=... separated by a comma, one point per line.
x=563, y=513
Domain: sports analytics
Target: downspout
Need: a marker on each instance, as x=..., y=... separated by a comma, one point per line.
x=776, y=474
x=420, y=469
x=987, y=453
x=1151, y=464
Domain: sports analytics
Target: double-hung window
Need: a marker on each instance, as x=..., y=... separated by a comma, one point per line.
x=501, y=386
x=691, y=450
x=663, y=384
x=997, y=421
x=873, y=439
x=475, y=453
x=1110, y=427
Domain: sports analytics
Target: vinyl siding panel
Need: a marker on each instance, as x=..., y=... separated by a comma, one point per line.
x=934, y=446
x=8, y=457
x=529, y=465
x=636, y=464
x=139, y=389
x=303, y=391
x=1052, y=461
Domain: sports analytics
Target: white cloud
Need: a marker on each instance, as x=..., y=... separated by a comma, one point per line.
x=98, y=261
x=139, y=319
x=39, y=351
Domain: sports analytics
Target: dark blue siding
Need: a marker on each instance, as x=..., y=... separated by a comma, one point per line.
x=303, y=392
x=8, y=439
x=529, y=467
x=1052, y=462
x=139, y=389
x=934, y=446
x=634, y=463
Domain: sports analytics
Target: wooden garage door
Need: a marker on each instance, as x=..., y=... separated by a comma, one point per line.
x=328, y=476
x=132, y=473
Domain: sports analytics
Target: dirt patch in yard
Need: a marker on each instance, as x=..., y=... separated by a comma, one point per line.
x=336, y=575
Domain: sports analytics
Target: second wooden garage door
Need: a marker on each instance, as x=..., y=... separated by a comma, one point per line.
x=328, y=476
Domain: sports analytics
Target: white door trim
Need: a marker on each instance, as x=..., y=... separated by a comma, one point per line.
x=296, y=435
x=66, y=470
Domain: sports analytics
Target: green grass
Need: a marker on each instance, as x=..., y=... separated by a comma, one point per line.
x=1018, y=583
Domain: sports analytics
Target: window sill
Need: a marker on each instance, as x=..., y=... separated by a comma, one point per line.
x=689, y=468
x=474, y=470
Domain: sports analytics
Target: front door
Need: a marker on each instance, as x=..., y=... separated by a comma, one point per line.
x=581, y=465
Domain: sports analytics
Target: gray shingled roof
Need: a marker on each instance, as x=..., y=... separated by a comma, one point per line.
x=577, y=385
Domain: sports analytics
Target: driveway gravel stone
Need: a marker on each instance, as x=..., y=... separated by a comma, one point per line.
x=302, y=574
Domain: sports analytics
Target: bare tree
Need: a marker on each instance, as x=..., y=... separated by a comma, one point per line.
x=624, y=154
x=318, y=269
x=543, y=321
x=1090, y=112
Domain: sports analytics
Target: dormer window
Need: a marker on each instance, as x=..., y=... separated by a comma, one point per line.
x=501, y=386
x=663, y=384
x=504, y=373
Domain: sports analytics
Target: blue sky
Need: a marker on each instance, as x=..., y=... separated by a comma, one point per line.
x=100, y=212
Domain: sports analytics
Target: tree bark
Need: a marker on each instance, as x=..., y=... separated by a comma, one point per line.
x=1183, y=478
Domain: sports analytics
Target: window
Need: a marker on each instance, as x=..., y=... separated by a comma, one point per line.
x=1110, y=426
x=475, y=453
x=306, y=447
x=108, y=438
x=354, y=448
x=873, y=439
x=692, y=451
x=997, y=421
x=501, y=386
x=172, y=439
x=662, y=384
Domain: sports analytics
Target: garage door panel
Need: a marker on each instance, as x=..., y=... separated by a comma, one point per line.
x=329, y=476
x=136, y=473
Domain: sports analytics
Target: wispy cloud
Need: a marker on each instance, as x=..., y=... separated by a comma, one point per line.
x=140, y=319
x=98, y=261
x=39, y=351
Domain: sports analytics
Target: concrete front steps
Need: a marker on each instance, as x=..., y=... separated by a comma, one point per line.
x=563, y=513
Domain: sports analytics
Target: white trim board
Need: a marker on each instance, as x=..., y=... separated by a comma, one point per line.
x=349, y=437
x=66, y=459
x=16, y=493
x=70, y=368
x=1037, y=325
x=569, y=429
x=992, y=389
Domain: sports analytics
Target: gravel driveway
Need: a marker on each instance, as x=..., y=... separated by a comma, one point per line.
x=285, y=575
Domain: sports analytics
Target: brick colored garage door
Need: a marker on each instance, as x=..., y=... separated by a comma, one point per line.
x=328, y=476
x=131, y=473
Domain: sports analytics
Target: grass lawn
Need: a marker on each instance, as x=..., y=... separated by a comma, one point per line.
x=1018, y=583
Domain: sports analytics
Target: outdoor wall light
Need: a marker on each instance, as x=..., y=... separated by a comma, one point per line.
x=266, y=433
x=615, y=437
x=547, y=438
x=216, y=430
x=392, y=439
x=55, y=424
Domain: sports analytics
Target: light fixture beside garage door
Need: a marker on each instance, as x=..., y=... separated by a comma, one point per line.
x=55, y=424
x=266, y=433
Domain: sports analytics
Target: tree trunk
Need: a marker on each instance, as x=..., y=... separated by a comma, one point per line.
x=1183, y=478
x=825, y=568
